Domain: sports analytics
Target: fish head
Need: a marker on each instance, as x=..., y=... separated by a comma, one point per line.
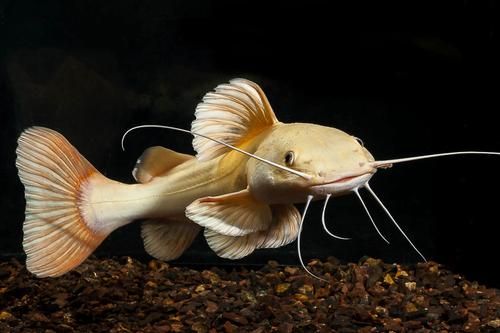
x=335, y=163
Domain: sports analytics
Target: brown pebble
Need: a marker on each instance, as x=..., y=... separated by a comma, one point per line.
x=393, y=324
x=410, y=307
x=495, y=323
x=177, y=327
x=4, y=315
x=258, y=330
x=124, y=295
x=210, y=276
x=285, y=328
x=248, y=296
x=381, y=311
x=230, y=328
x=151, y=284
x=322, y=292
x=162, y=329
x=292, y=270
x=153, y=265
x=412, y=324
x=388, y=279
x=401, y=273
x=236, y=318
x=301, y=297
x=199, y=327
x=306, y=289
x=282, y=287
x=211, y=307
x=37, y=316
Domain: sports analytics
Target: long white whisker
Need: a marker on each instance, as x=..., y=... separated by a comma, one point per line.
x=369, y=215
x=367, y=186
x=324, y=223
x=309, y=199
x=386, y=163
x=298, y=173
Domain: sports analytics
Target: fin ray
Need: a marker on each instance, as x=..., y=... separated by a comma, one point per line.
x=283, y=230
x=234, y=113
x=233, y=214
x=57, y=236
x=231, y=247
x=167, y=239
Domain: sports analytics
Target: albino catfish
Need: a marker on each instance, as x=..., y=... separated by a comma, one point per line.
x=241, y=186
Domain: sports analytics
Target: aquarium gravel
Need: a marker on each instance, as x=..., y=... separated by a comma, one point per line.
x=126, y=295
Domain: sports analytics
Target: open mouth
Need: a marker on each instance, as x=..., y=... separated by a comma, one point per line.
x=345, y=179
x=341, y=185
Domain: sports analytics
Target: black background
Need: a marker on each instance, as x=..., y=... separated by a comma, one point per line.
x=407, y=77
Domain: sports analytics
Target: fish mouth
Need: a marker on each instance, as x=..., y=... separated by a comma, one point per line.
x=341, y=185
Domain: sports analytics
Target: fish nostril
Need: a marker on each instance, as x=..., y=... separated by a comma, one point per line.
x=321, y=173
x=361, y=164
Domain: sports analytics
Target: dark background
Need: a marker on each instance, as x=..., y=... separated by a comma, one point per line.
x=413, y=78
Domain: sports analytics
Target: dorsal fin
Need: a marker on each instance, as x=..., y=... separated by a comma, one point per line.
x=155, y=161
x=233, y=113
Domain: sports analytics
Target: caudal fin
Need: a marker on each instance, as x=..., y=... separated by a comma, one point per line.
x=58, y=233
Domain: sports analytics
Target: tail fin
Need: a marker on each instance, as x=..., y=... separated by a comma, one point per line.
x=58, y=234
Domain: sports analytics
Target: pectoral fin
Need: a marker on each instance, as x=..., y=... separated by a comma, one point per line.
x=233, y=214
x=167, y=239
x=283, y=230
x=156, y=161
x=231, y=247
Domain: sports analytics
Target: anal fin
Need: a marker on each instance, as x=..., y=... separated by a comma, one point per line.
x=167, y=239
x=155, y=161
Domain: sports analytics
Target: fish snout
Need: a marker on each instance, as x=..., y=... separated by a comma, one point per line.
x=341, y=184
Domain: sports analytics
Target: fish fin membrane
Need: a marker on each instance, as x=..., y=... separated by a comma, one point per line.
x=232, y=214
x=156, y=161
x=282, y=231
x=167, y=239
x=231, y=247
x=234, y=113
x=284, y=228
x=58, y=234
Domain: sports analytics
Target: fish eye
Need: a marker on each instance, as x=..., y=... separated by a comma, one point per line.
x=289, y=157
x=359, y=141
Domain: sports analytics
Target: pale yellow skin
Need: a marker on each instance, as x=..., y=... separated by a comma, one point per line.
x=325, y=153
x=243, y=199
x=243, y=202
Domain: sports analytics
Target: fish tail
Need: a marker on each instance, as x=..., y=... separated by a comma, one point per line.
x=61, y=228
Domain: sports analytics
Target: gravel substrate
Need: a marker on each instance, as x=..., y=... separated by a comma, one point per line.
x=126, y=295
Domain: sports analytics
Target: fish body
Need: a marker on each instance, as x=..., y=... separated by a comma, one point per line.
x=164, y=195
x=243, y=202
